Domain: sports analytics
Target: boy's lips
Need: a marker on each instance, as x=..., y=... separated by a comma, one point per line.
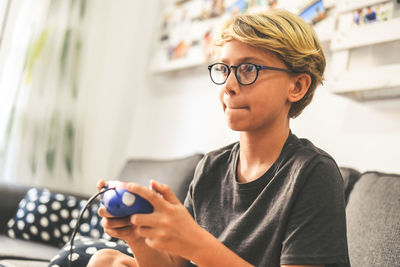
x=236, y=106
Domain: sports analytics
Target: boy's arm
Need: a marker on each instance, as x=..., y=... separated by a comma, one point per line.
x=146, y=256
x=171, y=229
x=208, y=252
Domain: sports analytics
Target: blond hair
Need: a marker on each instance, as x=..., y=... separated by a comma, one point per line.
x=289, y=37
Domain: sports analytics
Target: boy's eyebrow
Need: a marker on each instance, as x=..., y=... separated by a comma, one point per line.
x=242, y=60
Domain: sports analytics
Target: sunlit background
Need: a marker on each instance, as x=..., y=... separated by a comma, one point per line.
x=86, y=85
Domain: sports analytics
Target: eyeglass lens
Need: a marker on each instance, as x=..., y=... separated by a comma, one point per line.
x=245, y=73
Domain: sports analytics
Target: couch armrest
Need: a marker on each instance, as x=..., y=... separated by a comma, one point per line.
x=373, y=217
x=350, y=177
x=10, y=196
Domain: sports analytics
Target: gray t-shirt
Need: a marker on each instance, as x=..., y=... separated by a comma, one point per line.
x=292, y=214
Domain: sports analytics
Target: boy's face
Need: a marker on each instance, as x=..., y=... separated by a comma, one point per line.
x=263, y=104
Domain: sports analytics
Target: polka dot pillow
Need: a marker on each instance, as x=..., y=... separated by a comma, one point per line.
x=90, y=222
x=84, y=248
x=50, y=218
x=43, y=216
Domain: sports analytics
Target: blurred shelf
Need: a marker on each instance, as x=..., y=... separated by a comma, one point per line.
x=368, y=82
x=351, y=5
x=377, y=32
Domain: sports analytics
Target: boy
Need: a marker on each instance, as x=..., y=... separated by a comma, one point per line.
x=270, y=199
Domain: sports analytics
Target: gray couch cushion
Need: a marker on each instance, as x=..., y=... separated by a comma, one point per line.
x=10, y=196
x=373, y=220
x=22, y=249
x=23, y=263
x=177, y=173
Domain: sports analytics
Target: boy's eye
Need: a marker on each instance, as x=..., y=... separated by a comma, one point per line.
x=247, y=68
x=221, y=69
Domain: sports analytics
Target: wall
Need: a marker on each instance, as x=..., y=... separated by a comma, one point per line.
x=116, y=52
x=182, y=116
x=363, y=135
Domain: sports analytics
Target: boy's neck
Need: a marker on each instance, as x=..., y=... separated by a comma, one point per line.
x=259, y=150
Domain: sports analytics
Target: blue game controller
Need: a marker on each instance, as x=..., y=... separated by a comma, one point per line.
x=120, y=202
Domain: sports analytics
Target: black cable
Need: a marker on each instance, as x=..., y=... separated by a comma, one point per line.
x=88, y=203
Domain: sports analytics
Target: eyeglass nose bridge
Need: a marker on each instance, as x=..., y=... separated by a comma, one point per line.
x=235, y=72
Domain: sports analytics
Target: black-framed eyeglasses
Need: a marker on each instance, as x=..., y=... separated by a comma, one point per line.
x=246, y=73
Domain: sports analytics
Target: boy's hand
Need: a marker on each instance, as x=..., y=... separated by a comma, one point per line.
x=119, y=227
x=170, y=228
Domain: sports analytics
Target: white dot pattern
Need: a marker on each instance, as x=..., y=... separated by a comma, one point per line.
x=44, y=199
x=57, y=233
x=71, y=202
x=50, y=218
x=25, y=236
x=84, y=248
x=42, y=209
x=65, y=228
x=85, y=227
x=11, y=233
x=20, y=213
x=30, y=218
x=44, y=222
x=91, y=250
x=64, y=213
x=45, y=236
x=21, y=225
x=10, y=223
x=30, y=206
x=34, y=230
x=55, y=205
x=53, y=218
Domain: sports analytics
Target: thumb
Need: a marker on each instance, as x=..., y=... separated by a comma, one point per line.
x=165, y=191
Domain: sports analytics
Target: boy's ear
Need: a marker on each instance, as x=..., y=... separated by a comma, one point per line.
x=302, y=83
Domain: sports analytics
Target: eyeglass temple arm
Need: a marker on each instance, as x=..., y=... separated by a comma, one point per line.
x=273, y=68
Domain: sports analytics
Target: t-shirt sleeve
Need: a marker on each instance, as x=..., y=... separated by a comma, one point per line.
x=316, y=229
x=188, y=203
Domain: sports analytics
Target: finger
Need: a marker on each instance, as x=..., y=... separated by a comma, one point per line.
x=119, y=232
x=116, y=223
x=102, y=212
x=165, y=191
x=146, y=232
x=154, y=238
x=100, y=184
x=155, y=199
x=145, y=220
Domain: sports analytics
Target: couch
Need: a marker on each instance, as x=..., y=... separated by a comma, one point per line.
x=373, y=212
x=177, y=173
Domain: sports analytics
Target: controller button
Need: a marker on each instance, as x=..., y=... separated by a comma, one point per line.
x=128, y=199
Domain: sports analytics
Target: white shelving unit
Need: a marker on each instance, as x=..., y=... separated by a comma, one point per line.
x=369, y=79
x=360, y=65
x=379, y=32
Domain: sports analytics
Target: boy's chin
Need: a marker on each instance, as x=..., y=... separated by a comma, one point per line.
x=237, y=127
